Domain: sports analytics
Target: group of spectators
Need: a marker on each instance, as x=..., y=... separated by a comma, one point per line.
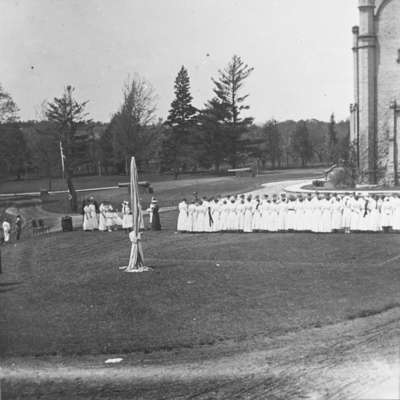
x=103, y=217
x=9, y=228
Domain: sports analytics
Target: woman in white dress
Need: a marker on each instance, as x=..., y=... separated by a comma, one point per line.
x=300, y=214
x=248, y=216
x=183, y=217
x=102, y=218
x=291, y=214
x=232, y=216
x=266, y=211
x=241, y=209
x=396, y=212
x=374, y=214
x=346, y=213
x=215, y=208
x=336, y=213
x=325, y=215
x=224, y=215
x=87, y=226
x=127, y=217
x=387, y=214
x=308, y=214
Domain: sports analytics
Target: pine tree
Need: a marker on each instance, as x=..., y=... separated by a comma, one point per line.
x=214, y=139
x=178, y=142
x=227, y=91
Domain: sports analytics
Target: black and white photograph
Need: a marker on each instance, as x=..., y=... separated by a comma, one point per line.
x=199, y=199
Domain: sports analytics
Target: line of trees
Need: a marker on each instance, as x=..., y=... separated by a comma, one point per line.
x=219, y=135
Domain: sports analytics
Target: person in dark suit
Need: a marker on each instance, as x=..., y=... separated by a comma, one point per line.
x=155, y=221
x=18, y=227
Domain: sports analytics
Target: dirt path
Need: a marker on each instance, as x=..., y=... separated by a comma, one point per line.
x=351, y=360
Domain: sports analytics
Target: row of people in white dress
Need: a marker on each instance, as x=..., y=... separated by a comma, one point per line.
x=312, y=213
x=108, y=218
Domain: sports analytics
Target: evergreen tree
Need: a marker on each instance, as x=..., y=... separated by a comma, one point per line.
x=214, y=138
x=301, y=143
x=179, y=137
x=227, y=91
x=333, y=141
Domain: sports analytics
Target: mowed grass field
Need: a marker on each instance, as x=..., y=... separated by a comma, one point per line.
x=64, y=294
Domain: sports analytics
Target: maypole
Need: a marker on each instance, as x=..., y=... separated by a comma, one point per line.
x=136, y=259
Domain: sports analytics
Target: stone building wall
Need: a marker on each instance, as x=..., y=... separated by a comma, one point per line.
x=377, y=78
x=387, y=25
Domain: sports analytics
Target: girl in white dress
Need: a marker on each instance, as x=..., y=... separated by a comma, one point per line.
x=325, y=215
x=346, y=213
x=109, y=217
x=192, y=210
x=248, y=216
x=336, y=213
x=232, y=216
x=6, y=231
x=241, y=209
x=257, y=215
x=224, y=215
x=266, y=211
x=282, y=217
x=291, y=214
x=183, y=217
x=215, y=207
x=273, y=224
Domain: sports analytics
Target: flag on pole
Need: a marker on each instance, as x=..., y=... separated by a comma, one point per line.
x=62, y=157
x=136, y=259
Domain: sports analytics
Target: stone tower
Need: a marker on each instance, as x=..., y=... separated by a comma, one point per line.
x=376, y=109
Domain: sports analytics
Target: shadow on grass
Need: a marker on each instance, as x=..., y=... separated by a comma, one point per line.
x=9, y=286
x=370, y=313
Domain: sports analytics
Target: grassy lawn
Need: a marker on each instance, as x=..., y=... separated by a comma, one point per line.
x=64, y=293
x=81, y=182
x=169, y=193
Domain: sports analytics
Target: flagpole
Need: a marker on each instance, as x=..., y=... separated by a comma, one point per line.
x=62, y=159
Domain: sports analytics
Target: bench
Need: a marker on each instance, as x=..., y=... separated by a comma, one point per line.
x=142, y=184
x=39, y=227
x=240, y=172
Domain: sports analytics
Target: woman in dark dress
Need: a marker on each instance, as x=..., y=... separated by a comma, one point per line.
x=155, y=222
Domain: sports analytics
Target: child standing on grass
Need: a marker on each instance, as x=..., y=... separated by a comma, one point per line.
x=6, y=231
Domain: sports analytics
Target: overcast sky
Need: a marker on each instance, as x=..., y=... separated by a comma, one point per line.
x=300, y=51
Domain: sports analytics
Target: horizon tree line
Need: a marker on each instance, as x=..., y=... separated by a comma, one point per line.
x=218, y=135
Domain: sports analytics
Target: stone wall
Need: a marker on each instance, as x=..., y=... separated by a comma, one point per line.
x=387, y=25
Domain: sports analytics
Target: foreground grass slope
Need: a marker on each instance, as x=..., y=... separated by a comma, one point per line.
x=65, y=294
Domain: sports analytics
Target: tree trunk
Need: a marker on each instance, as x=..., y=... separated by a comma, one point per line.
x=72, y=191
